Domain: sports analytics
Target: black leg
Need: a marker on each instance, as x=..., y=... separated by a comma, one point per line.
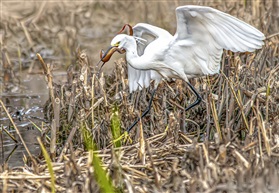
x=144, y=113
x=198, y=100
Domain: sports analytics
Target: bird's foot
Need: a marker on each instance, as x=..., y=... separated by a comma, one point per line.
x=125, y=136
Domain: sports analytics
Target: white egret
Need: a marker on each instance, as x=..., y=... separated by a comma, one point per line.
x=196, y=48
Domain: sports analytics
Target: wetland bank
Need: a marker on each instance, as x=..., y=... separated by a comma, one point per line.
x=230, y=143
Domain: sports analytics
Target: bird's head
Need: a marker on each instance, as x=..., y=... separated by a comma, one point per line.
x=117, y=44
x=119, y=41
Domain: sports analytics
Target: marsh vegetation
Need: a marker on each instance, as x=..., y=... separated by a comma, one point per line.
x=229, y=143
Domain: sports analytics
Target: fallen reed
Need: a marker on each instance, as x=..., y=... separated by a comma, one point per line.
x=229, y=143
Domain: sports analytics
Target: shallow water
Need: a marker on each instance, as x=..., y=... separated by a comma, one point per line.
x=24, y=101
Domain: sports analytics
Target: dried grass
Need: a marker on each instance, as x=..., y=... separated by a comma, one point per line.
x=230, y=143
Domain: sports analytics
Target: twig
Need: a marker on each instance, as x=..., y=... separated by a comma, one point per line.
x=10, y=135
x=17, y=131
x=272, y=35
x=55, y=105
x=27, y=34
x=156, y=174
x=71, y=136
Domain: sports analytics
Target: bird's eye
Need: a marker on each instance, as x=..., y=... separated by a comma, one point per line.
x=116, y=44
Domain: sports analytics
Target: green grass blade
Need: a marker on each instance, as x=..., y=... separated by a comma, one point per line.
x=100, y=174
x=87, y=137
x=115, y=126
x=49, y=165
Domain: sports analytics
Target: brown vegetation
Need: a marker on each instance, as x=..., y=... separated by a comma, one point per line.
x=229, y=143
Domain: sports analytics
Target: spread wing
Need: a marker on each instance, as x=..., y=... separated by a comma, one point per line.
x=144, y=34
x=211, y=31
x=148, y=33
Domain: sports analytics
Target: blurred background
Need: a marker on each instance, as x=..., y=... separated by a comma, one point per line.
x=57, y=29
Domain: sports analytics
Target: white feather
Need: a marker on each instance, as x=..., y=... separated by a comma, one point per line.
x=195, y=49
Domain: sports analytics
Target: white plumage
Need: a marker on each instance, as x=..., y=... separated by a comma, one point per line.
x=194, y=50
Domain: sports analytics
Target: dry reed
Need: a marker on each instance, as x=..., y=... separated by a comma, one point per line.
x=230, y=143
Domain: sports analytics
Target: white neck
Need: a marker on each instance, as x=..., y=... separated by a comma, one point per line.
x=132, y=56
